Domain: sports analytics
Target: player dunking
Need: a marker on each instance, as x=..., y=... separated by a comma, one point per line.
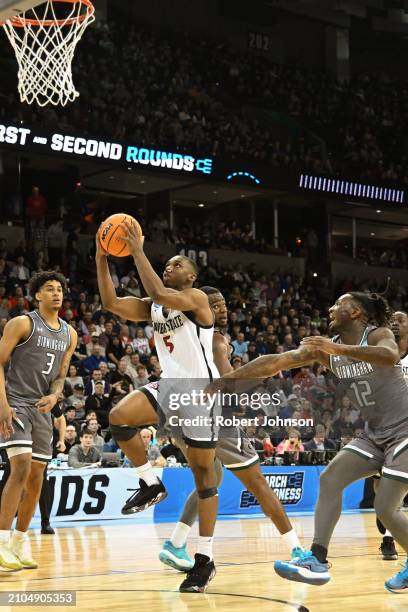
x=235, y=451
x=364, y=356
x=39, y=347
x=183, y=331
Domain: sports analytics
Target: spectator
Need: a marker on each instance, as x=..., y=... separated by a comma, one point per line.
x=319, y=441
x=292, y=444
x=84, y=454
x=141, y=377
x=71, y=435
x=73, y=378
x=240, y=346
x=141, y=343
x=94, y=360
x=96, y=377
x=36, y=206
x=125, y=382
x=70, y=417
x=77, y=400
x=19, y=309
x=101, y=402
x=95, y=343
x=115, y=350
x=93, y=426
x=152, y=450
x=20, y=272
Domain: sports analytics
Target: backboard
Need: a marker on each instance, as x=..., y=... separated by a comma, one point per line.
x=10, y=8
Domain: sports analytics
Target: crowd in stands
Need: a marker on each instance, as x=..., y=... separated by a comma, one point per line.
x=268, y=314
x=183, y=103
x=395, y=257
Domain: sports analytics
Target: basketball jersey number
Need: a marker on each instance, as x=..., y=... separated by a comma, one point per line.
x=50, y=363
x=362, y=390
x=170, y=345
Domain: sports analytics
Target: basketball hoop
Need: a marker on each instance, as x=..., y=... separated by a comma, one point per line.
x=44, y=44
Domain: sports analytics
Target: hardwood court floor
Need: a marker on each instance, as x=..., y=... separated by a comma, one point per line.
x=115, y=567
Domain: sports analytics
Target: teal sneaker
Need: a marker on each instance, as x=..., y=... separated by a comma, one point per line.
x=399, y=582
x=296, y=552
x=304, y=568
x=177, y=558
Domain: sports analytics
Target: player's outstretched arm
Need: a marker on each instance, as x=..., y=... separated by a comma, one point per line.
x=15, y=331
x=131, y=308
x=193, y=300
x=382, y=348
x=269, y=365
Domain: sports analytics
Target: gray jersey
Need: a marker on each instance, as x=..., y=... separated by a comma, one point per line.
x=36, y=362
x=379, y=393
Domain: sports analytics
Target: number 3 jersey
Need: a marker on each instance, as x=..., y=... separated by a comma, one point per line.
x=35, y=363
x=380, y=393
x=184, y=348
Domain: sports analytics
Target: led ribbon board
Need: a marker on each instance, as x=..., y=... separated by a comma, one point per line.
x=337, y=186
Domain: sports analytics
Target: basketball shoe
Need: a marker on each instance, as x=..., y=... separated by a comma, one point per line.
x=388, y=550
x=304, y=568
x=144, y=497
x=399, y=582
x=19, y=547
x=8, y=560
x=177, y=558
x=200, y=575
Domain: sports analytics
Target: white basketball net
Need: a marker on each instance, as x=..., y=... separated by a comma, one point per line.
x=45, y=49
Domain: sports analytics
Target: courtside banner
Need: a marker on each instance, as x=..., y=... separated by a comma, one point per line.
x=297, y=487
x=89, y=494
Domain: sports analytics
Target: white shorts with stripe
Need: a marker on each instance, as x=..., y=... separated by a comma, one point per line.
x=391, y=460
x=32, y=433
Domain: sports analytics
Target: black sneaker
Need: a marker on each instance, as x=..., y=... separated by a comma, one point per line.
x=46, y=528
x=388, y=550
x=199, y=576
x=144, y=497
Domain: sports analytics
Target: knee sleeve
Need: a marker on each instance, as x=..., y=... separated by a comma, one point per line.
x=205, y=493
x=123, y=432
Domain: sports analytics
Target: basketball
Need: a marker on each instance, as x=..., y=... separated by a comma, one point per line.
x=111, y=231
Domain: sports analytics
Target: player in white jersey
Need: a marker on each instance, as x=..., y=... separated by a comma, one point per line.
x=399, y=326
x=183, y=328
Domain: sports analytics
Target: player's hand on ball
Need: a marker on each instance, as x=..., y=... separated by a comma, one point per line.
x=6, y=422
x=46, y=403
x=132, y=238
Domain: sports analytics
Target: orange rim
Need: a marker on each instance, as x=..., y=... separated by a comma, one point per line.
x=20, y=22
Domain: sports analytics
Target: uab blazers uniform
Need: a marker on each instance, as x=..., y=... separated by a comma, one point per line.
x=34, y=365
x=184, y=350
x=381, y=394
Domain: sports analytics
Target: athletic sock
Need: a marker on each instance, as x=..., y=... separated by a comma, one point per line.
x=180, y=534
x=20, y=536
x=205, y=546
x=291, y=540
x=145, y=472
x=320, y=552
x=4, y=536
x=387, y=534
